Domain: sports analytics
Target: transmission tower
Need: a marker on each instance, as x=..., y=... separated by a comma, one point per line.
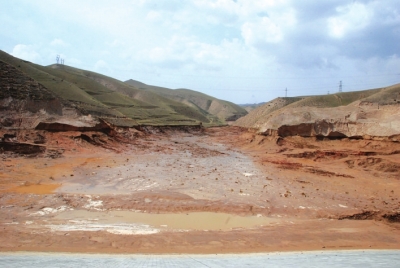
x=340, y=86
x=58, y=58
x=286, y=93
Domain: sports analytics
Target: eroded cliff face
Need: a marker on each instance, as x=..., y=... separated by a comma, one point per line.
x=23, y=101
x=21, y=93
x=362, y=120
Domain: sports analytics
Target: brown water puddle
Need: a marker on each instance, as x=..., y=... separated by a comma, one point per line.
x=35, y=189
x=180, y=221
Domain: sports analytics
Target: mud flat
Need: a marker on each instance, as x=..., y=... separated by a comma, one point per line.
x=186, y=164
x=225, y=190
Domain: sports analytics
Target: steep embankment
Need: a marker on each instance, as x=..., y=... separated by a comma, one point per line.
x=23, y=101
x=224, y=110
x=370, y=114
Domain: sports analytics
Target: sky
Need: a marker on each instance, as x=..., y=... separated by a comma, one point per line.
x=243, y=51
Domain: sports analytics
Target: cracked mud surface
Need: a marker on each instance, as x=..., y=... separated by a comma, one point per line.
x=224, y=190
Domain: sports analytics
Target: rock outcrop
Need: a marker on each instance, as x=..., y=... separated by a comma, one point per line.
x=357, y=121
x=369, y=114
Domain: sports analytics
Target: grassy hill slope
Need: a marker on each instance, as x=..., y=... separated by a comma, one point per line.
x=335, y=100
x=68, y=92
x=144, y=107
x=385, y=96
x=224, y=110
x=103, y=96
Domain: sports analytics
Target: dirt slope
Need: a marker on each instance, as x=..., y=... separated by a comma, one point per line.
x=255, y=118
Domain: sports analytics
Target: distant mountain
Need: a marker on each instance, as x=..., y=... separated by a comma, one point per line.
x=60, y=90
x=224, y=110
x=251, y=106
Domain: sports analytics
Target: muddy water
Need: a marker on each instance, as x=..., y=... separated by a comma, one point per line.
x=131, y=222
x=35, y=188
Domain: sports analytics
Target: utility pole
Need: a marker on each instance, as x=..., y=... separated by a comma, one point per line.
x=286, y=93
x=340, y=86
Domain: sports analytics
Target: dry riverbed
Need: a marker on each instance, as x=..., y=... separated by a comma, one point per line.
x=222, y=190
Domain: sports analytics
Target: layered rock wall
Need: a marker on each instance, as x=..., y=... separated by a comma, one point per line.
x=352, y=122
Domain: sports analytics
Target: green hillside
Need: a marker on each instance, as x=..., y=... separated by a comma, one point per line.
x=335, y=100
x=388, y=95
x=144, y=107
x=224, y=110
x=106, y=97
x=63, y=89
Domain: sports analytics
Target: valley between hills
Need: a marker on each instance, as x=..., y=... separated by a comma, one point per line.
x=92, y=164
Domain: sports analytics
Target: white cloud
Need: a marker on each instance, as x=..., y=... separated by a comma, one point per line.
x=73, y=62
x=26, y=52
x=59, y=42
x=189, y=52
x=222, y=5
x=250, y=8
x=262, y=31
x=101, y=66
x=216, y=43
x=116, y=43
x=266, y=21
x=153, y=15
x=350, y=18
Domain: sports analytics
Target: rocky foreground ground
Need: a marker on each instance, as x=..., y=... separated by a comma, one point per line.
x=216, y=190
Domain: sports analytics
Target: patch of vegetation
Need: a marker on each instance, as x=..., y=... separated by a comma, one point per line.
x=387, y=95
x=335, y=100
